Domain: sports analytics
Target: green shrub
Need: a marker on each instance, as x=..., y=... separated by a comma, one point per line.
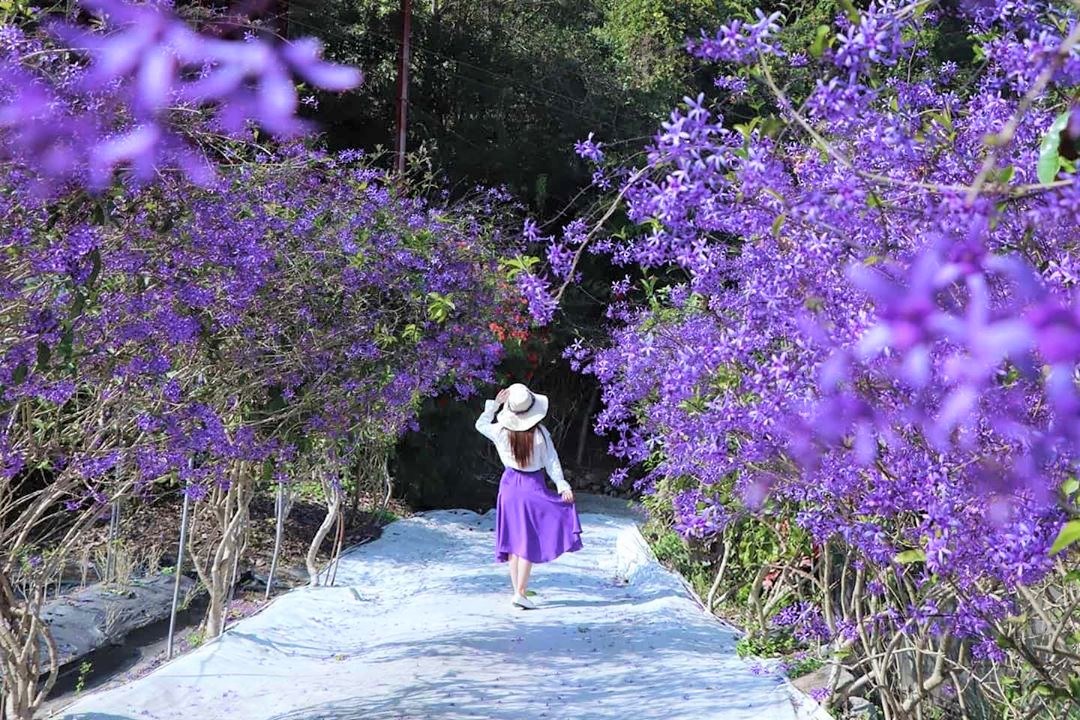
x=770, y=643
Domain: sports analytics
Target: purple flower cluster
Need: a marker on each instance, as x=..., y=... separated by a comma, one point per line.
x=739, y=41
x=698, y=516
x=876, y=325
x=147, y=71
x=537, y=293
x=589, y=149
x=805, y=620
x=295, y=306
x=874, y=41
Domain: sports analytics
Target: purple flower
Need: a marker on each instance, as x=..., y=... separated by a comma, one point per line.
x=732, y=83
x=1057, y=331
x=740, y=42
x=195, y=492
x=589, y=149
x=149, y=62
x=805, y=619
x=698, y=516
x=537, y=294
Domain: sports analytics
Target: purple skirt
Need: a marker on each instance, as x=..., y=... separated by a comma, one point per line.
x=531, y=521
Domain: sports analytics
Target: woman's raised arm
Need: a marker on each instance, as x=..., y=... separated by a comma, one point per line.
x=485, y=423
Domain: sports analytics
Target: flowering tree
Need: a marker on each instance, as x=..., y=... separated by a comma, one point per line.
x=186, y=308
x=220, y=334
x=858, y=312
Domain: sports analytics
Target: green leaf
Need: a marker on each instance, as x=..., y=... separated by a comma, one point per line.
x=778, y=223
x=821, y=36
x=1070, y=533
x=1049, y=157
x=1070, y=486
x=746, y=129
x=946, y=120
x=852, y=13
x=439, y=307
x=910, y=556
x=515, y=266
x=841, y=653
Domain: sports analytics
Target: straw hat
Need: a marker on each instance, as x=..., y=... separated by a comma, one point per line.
x=523, y=408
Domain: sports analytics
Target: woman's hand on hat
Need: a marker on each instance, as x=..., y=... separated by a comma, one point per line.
x=567, y=496
x=501, y=397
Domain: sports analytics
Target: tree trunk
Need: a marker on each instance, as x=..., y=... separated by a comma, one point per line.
x=385, y=467
x=22, y=634
x=231, y=508
x=711, y=600
x=333, y=506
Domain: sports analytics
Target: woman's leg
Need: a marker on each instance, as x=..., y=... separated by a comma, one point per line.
x=524, y=567
x=513, y=572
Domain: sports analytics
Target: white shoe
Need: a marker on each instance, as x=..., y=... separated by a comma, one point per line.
x=523, y=602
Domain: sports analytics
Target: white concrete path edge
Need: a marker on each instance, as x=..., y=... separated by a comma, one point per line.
x=419, y=627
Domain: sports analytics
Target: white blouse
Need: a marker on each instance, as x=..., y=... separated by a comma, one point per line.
x=544, y=455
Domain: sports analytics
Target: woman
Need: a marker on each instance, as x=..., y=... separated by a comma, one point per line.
x=532, y=524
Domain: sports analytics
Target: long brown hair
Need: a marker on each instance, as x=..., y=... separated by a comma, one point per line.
x=522, y=443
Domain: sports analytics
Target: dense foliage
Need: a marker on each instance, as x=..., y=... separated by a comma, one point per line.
x=499, y=92
x=857, y=313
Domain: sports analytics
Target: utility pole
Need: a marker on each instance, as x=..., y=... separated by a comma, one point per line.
x=403, y=83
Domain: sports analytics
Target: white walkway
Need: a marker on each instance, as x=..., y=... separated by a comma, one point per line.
x=420, y=626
